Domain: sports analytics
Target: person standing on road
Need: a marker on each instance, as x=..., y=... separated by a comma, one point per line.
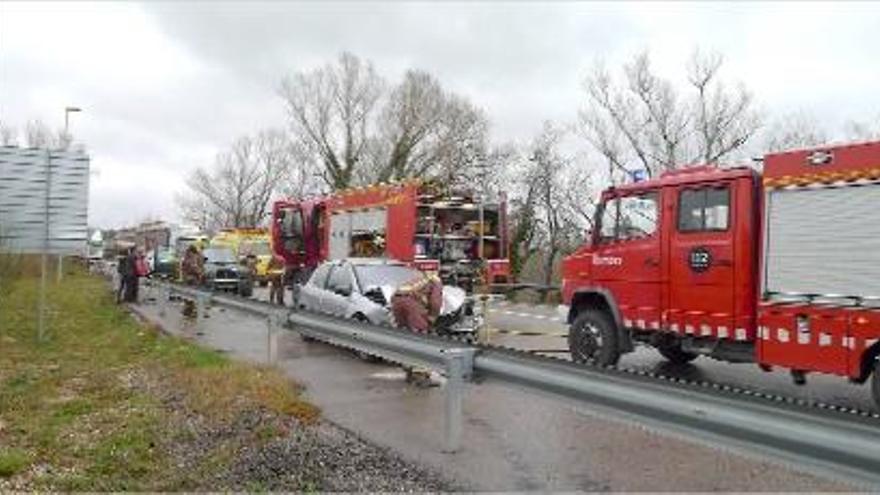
x=415, y=306
x=130, y=275
x=276, y=281
x=120, y=273
x=192, y=272
x=141, y=269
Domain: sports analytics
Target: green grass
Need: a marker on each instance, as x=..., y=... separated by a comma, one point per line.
x=89, y=400
x=12, y=461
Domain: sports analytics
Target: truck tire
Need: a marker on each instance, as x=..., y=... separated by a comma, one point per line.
x=875, y=384
x=675, y=355
x=593, y=337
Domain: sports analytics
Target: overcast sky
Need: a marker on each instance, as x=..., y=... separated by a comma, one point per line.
x=165, y=86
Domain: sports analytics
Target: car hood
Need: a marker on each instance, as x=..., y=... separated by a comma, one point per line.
x=453, y=297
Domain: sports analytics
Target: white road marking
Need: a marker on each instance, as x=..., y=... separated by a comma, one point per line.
x=527, y=315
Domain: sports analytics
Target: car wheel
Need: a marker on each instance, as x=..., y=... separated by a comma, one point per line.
x=593, y=338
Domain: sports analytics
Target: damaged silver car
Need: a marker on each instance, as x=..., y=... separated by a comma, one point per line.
x=361, y=289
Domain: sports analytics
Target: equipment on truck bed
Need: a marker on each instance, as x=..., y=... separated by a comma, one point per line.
x=780, y=268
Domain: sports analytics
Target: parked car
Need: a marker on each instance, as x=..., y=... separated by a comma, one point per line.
x=361, y=289
x=164, y=263
x=223, y=272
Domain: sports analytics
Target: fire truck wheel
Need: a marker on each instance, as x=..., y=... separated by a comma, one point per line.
x=675, y=355
x=593, y=337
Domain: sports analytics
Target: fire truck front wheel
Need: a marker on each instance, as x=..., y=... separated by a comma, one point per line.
x=593, y=338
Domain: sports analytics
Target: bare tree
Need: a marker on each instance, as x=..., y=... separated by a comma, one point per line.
x=330, y=112
x=425, y=131
x=863, y=131
x=39, y=135
x=545, y=220
x=355, y=131
x=646, y=122
x=8, y=135
x=237, y=190
x=793, y=130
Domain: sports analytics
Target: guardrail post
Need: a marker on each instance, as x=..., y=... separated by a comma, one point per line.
x=459, y=363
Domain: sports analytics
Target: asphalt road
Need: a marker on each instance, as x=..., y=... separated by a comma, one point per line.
x=538, y=328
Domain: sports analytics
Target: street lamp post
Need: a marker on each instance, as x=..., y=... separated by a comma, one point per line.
x=67, y=112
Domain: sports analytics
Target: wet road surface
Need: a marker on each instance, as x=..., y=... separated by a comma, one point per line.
x=512, y=440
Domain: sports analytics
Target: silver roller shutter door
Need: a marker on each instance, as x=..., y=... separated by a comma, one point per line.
x=824, y=241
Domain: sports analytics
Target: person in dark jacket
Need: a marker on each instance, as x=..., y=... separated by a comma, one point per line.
x=120, y=272
x=130, y=275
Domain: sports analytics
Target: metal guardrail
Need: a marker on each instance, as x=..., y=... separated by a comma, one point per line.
x=833, y=444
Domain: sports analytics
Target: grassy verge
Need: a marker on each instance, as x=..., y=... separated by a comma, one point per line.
x=106, y=404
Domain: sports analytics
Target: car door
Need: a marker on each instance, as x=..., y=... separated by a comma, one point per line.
x=701, y=261
x=336, y=299
x=311, y=292
x=627, y=257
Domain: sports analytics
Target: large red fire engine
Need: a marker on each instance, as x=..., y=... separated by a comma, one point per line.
x=780, y=268
x=452, y=233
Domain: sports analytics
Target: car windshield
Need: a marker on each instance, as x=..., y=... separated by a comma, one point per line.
x=217, y=255
x=393, y=275
x=257, y=248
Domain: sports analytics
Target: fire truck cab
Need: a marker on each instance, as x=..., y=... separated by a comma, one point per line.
x=780, y=269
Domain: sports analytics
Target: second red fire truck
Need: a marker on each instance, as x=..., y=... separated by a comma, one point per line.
x=780, y=268
x=455, y=234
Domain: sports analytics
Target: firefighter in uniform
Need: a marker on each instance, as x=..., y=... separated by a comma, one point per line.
x=415, y=306
x=192, y=270
x=276, y=281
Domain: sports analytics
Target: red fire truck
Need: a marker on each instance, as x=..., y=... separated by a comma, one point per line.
x=417, y=222
x=780, y=268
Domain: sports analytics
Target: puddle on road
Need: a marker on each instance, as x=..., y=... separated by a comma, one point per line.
x=391, y=375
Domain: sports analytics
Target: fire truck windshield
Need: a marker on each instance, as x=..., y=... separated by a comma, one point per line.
x=291, y=229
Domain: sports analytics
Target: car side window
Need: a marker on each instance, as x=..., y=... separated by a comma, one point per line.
x=704, y=209
x=629, y=217
x=319, y=278
x=340, y=280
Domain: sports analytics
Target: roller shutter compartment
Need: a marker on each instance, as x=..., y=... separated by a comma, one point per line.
x=823, y=241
